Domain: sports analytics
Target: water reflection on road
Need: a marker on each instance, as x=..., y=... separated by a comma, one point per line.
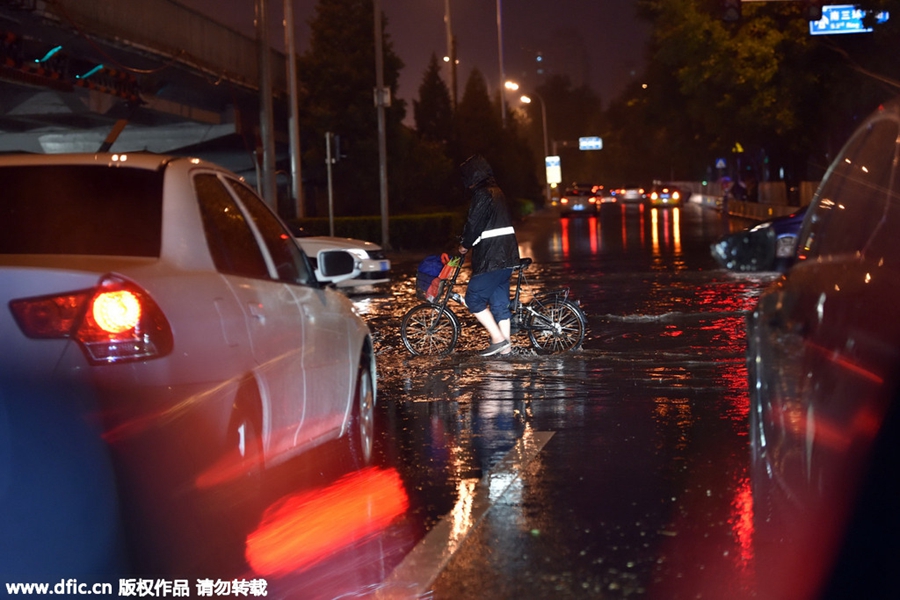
x=642, y=488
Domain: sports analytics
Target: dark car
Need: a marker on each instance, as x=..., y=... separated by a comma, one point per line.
x=824, y=367
x=767, y=246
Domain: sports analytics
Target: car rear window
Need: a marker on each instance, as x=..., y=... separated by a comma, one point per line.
x=80, y=209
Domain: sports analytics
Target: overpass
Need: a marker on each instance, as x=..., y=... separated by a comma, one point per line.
x=130, y=75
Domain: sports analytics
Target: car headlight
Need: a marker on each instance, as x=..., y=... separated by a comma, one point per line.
x=358, y=253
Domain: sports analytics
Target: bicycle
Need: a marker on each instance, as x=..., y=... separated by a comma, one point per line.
x=554, y=322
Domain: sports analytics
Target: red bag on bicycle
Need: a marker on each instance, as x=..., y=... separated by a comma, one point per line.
x=437, y=286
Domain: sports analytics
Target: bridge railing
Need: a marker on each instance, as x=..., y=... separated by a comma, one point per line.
x=167, y=28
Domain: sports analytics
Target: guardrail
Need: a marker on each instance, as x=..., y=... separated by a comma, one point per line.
x=756, y=211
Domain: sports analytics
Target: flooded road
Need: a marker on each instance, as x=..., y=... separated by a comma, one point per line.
x=616, y=471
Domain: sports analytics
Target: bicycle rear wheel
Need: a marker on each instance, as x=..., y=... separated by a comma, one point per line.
x=558, y=326
x=426, y=330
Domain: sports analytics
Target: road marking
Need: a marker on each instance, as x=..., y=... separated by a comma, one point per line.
x=414, y=575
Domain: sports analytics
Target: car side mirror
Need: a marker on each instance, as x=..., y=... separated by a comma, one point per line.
x=334, y=266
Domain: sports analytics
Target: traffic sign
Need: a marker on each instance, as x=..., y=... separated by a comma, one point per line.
x=590, y=143
x=843, y=18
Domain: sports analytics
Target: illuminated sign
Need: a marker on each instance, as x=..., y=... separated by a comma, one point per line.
x=554, y=171
x=843, y=18
x=590, y=143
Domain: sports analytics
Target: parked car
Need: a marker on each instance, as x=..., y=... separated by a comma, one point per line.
x=167, y=288
x=374, y=266
x=767, y=246
x=824, y=377
x=665, y=195
x=581, y=199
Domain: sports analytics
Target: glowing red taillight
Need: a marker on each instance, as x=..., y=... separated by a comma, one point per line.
x=116, y=312
x=114, y=322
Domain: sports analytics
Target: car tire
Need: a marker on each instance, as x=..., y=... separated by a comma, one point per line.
x=362, y=421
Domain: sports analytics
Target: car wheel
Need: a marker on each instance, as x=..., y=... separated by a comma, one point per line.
x=362, y=422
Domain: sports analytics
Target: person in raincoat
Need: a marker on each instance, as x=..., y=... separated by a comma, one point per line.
x=489, y=235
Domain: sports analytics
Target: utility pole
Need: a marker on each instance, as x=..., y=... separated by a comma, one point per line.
x=266, y=122
x=380, y=102
x=451, y=53
x=294, y=119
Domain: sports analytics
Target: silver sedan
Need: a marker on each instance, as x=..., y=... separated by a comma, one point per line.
x=169, y=289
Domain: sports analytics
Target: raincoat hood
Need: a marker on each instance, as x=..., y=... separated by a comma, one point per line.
x=476, y=170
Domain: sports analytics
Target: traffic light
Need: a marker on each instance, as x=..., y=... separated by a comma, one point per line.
x=731, y=10
x=812, y=9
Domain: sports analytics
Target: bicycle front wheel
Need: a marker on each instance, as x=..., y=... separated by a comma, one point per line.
x=427, y=330
x=555, y=326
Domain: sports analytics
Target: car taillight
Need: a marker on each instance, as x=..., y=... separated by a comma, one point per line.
x=563, y=200
x=114, y=322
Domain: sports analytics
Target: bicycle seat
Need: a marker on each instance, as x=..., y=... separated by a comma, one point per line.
x=524, y=263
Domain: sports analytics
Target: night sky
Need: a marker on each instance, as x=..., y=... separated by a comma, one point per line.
x=596, y=42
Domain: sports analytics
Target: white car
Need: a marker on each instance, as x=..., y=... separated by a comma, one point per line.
x=170, y=290
x=374, y=267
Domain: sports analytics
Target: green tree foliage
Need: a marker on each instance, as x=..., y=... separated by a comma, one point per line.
x=763, y=82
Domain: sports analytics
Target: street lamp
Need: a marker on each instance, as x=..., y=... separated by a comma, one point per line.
x=527, y=100
x=500, y=55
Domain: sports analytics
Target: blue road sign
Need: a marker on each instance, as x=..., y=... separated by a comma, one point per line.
x=843, y=18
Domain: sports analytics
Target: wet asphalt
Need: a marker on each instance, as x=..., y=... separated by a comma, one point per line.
x=616, y=471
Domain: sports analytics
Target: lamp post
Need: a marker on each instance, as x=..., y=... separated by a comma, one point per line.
x=500, y=54
x=450, y=59
x=527, y=100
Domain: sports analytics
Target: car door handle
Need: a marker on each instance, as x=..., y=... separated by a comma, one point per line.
x=256, y=311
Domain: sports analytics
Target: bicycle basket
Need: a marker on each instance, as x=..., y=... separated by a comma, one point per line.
x=429, y=270
x=430, y=287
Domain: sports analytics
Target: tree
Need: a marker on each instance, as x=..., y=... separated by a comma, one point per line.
x=433, y=112
x=337, y=74
x=762, y=81
x=478, y=126
x=479, y=131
